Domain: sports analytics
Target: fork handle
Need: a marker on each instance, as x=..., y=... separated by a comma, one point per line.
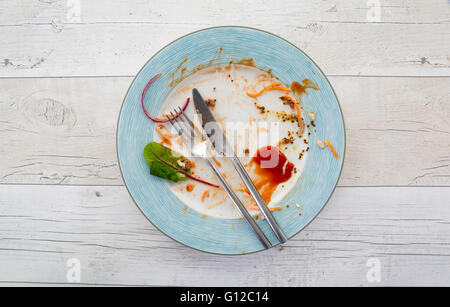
x=258, y=199
x=247, y=217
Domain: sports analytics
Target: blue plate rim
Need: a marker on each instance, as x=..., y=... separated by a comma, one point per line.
x=236, y=27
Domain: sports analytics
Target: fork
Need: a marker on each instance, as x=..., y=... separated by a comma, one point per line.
x=186, y=129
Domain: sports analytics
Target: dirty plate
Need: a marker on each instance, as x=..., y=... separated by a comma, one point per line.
x=153, y=195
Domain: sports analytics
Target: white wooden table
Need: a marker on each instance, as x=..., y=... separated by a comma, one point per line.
x=65, y=67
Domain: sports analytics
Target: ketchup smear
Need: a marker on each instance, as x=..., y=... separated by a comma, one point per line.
x=272, y=168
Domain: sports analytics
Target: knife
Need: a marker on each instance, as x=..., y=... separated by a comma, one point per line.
x=220, y=144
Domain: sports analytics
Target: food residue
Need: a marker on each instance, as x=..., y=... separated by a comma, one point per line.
x=210, y=102
x=217, y=162
x=292, y=102
x=273, y=86
x=272, y=209
x=185, y=165
x=332, y=148
x=299, y=89
x=271, y=168
x=320, y=143
x=204, y=195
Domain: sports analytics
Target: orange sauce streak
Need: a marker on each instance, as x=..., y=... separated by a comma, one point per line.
x=248, y=62
x=217, y=162
x=204, y=195
x=275, y=208
x=268, y=87
x=216, y=204
x=178, y=67
x=165, y=141
x=164, y=134
x=245, y=190
x=332, y=148
x=280, y=88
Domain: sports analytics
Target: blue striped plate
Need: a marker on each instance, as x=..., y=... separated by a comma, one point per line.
x=153, y=196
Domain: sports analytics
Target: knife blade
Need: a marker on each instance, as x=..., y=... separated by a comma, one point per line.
x=211, y=127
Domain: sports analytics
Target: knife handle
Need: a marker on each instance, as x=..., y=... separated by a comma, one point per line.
x=258, y=199
x=247, y=217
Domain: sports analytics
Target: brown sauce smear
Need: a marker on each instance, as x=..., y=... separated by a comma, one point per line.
x=248, y=62
x=300, y=89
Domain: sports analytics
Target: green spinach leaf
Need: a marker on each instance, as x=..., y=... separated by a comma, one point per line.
x=163, y=162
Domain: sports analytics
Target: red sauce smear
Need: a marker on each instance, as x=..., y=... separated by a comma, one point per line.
x=272, y=168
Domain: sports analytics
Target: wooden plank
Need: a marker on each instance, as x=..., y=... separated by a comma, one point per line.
x=397, y=130
x=209, y=12
x=406, y=229
x=62, y=131
x=121, y=49
x=39, y=284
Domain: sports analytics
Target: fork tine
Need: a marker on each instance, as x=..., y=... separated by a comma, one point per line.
x=189, y=128
x=177, y=127
x=190, y=124
x=175, y=120
x=185, y=117
x=173, y=125
x=173, y=116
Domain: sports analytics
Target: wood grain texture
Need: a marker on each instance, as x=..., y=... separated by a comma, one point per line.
x=62, y=131
x=208, y=12
x=44, y=226
x=122, y=49
x=58, y=132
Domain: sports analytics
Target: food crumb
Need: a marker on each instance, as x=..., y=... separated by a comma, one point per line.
x=288, y=101
x=285, y=140
x=262, y=109
x=210, y=102
x=185, y=165
x=320, y=143
x=190, y=187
